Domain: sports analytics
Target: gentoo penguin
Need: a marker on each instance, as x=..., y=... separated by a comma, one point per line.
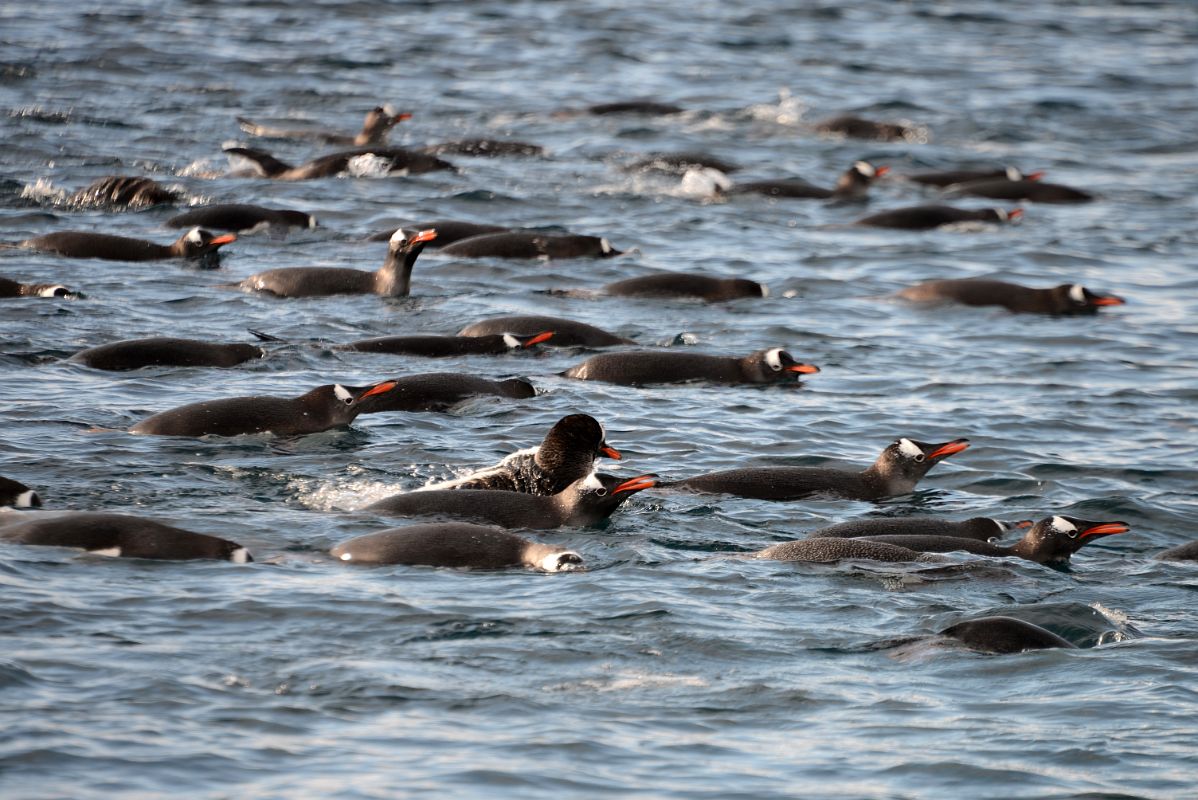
x=164, y=351
x=378, y=123
x=11, y=288
x=325, y=407
x=367, y=160
x=1033, y=191
x=588, y=501
x=687, y=284
x=196, y=243
x=981, y=529
x=824, y=550
x=456, y=544
x=120, y=535
x=922, y=218
x=642, y=367
x=897, y=470
x=1004, y=635
x=649, y=108
x=438, y=391
x=566, y=454
x=240, y=217
x=431, y=346
x=853, y=184
x=17, y=495
x=680, y=163
x=949, y=177
x=448, y=231
x=484, y=148
x=1068, y=298
x=393, y=279
x=858, y=128
x=124, y=191
x=566, y=332
x=1184, y=552
x=531, y=244
x=1050, y=541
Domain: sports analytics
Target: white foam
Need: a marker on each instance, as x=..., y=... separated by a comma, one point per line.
x=240, y=556
x=703, y=181
x=343, y=394
x=909, y=448
x=1063, y=525
x=111, y=552
x=1077, y=293
x=25, y=499
x=194, y=236
x=774, y=359
x=369, y=165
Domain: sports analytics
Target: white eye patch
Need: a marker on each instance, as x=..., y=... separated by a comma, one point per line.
x=1003, y=216
x=909, y=448
x=567, y=561
x=194, y=236
x=342, y=393
x=240, y=556
x=511, y=341
x=1062, y=525
x=26, y=499
x=774, y=359
x=592, y=482
x=605, y=246
x=1013, y=174
x=53, y=291
x=865, y=168
x=1077, y=293
x=399, y=237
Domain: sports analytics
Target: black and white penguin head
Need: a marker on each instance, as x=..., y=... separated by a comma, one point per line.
x=598, y=495
x=197, y=242
x=774, y=365
x=562, y=561
x=576, y=438
x=867, y=171
x=55, y=290
x=17, y=495
x=403, y=240
x=1057, y=538
x=346, y=401
x=1073, y=298
x=909, y=460
x=515, y=342
x=1006, y=215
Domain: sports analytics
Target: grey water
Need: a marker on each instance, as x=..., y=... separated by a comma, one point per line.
x=672, y=667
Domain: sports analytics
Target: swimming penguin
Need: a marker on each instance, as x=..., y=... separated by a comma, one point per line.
x=1033, y=191
x=896, y=471
x=858, y=128
x=566, y=332
x=17, y=495
x=680, y=163
x=378, y=123
x=1068, y=298
x=1004, y=635
x=240, y=217
x=325, y=407
x=367, y=160
x=165, y=351
x=949, y=177
x=981, y=529
x=825, y=550
x=531, y=244
x=642, y=367
x=195, y=244
x=119, y=535
x=438, y=391
x=484, y=148
x=431, y=346
x=649, y=108
x=393, y=279
x=1050, y=541
x=853, y=184
x=566, y=454
x=1184, y=552
x=11, y=288
x=588, y=501
x=687, y=284
x=921, y=218
x=448, y=231
x=456, y=544
x=124, y=191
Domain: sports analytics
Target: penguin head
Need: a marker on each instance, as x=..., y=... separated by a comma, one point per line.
x=346, y=402
x=54, y=290
x=381, y=119
x=411, y=242
x=774, y=366
x=1055, y=539
x=597, y=495
x=863, y=171
x=515, y=342
x=1001, y=214
x=577, y=435
x=906, y=460
x=561, y=561
x=1073, y=298
x=198, y=242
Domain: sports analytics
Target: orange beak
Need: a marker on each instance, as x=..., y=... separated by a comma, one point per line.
x=224, y=238
x=945, y=450
x=1109, y=300
x=540, y=337
x=385, y=386
x=1106, y=529
x=610, y=451
x=1034, y=176
x=880, y=171
x=1023, y=524
x=805, y=369
x=424, y=236
x=636, y=484
x=1014, y=213
x=402, y=117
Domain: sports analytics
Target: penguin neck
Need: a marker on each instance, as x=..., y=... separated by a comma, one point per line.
x=322, y=404
x=1029, y=549
x=177, y=249
x=850, y=184
x=394, y=278
x=883, y=482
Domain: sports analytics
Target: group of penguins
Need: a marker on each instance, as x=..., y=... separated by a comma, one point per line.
x=556, y=483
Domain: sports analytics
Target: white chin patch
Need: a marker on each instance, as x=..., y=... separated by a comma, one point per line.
x=342, y=393
x=865, y=168
x=1013, y=174
x=399, y=237
x=774, y=358
x=194, y=236
x=511, y=341
x=1077, y=294
x=1063, y=525
x=909, y=448
x=605, y=245
x=567, y=561
x=52, y=291
x=26, y=499
x=111, y=552
x=240, y=556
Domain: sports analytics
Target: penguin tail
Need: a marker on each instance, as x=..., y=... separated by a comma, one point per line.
x=265, y=337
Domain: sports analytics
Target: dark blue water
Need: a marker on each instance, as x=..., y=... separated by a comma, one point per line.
x=671, y=668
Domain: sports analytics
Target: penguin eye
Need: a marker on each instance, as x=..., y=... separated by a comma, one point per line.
x=349, y=401
x=1071, y=534
x=919, y=458
x=600, y=492
x=776, y=367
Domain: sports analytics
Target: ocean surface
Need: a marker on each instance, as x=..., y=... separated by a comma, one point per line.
x=672, y=667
